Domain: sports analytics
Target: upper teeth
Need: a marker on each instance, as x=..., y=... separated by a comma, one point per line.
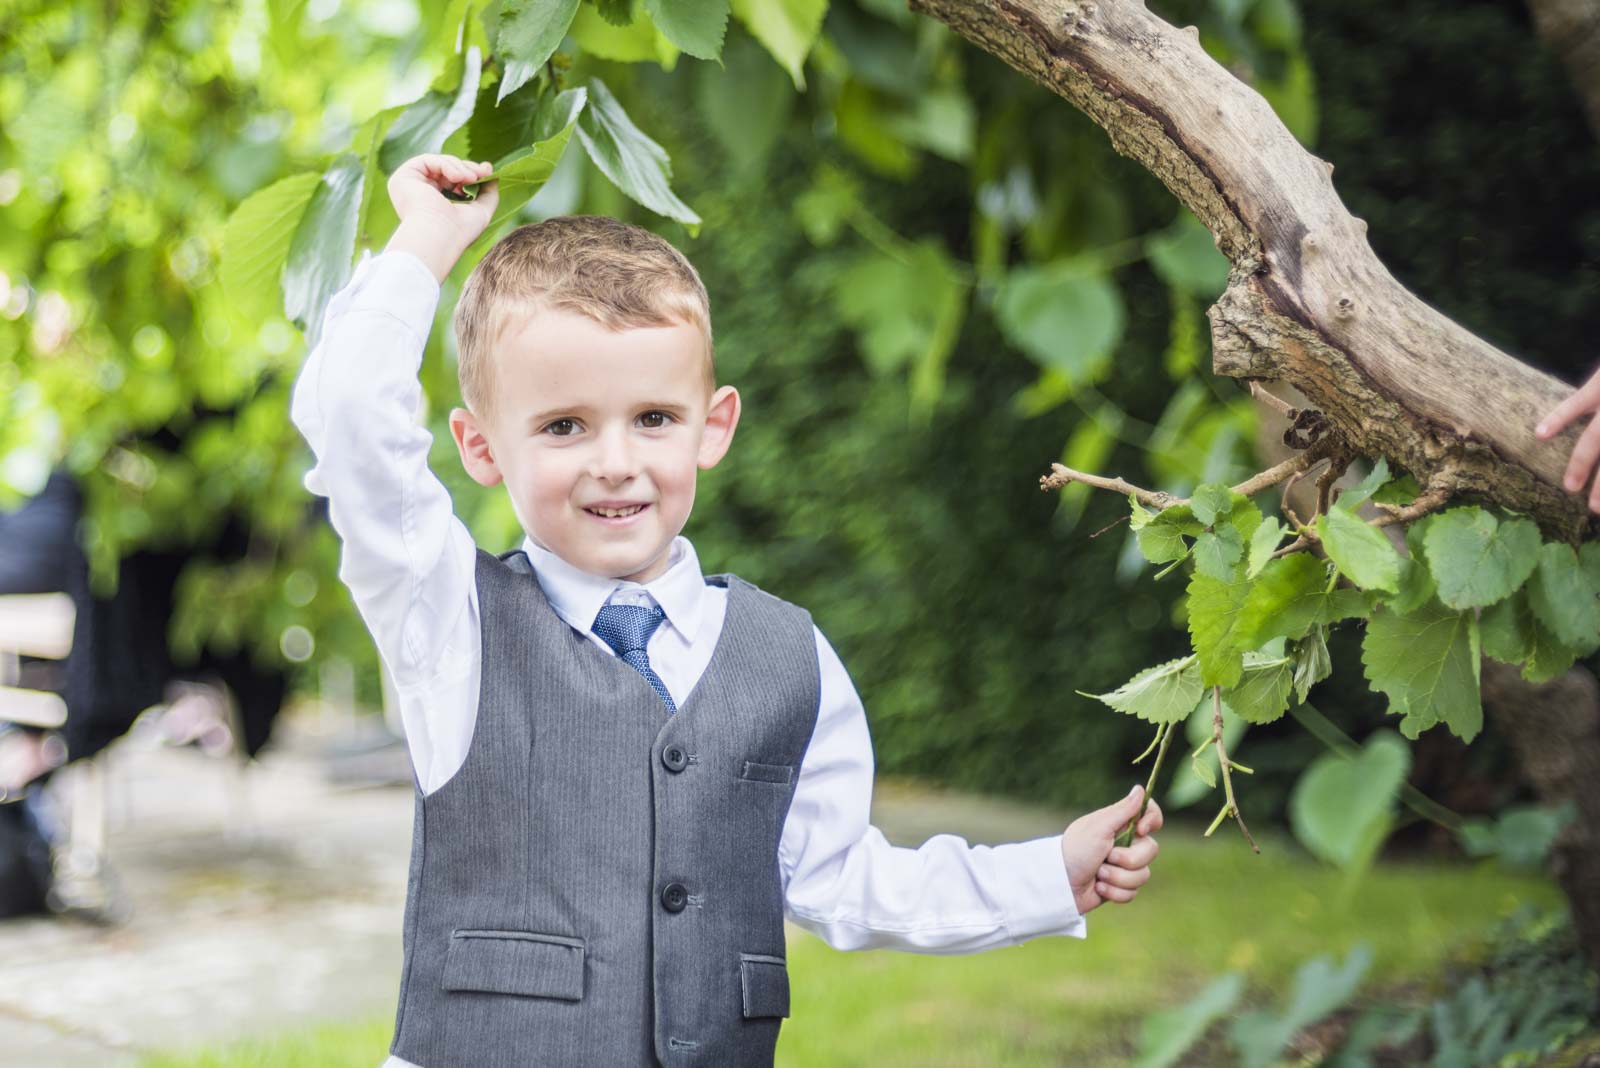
x=614, y=513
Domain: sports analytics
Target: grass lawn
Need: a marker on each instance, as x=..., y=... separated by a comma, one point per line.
x=1213, y=907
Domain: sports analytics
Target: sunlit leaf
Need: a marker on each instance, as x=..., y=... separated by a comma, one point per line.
x=696, y=26
x=1162, y=694
x=425, y=123
x=323, y=247
x=529, y=33
x=255, y=243
x=785, y=28
x=1476, y=559
x=623, y=153
x=1427, y=664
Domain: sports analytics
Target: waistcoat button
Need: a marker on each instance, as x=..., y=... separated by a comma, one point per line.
x=674, y=758
x=674, y=896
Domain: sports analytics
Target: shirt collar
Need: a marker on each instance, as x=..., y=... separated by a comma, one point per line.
x=577, y=596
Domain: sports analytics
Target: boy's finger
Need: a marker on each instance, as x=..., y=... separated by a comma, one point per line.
x=1121, y=813
x=1114, y=893
x=1583, y=399
x=1137, y=855
x=1584, y=455
x=1122, y=877
x=1152, y=820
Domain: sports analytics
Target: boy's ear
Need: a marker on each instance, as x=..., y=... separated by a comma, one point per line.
x=721, y=420
x=473, y=444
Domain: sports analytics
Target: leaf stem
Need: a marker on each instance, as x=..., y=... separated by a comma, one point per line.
x=1155, y=769
x=1232, y=807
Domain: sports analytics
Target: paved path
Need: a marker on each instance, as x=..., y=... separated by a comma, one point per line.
x=293, y=917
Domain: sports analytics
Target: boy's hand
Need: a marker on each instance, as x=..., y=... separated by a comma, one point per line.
x=1584, y=400
x=434, y=229
x=1097, y=871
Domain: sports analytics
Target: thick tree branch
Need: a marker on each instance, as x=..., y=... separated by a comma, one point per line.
x=1307, y=301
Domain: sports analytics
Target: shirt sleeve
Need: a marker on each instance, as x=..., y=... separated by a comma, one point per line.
x=408, y=562
x=844, y=882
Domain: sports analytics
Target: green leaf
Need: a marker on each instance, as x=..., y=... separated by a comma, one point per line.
x=255, y=243
x=1352, y=498
x=1262, y=693
x=1565, y=595
x=426, y=122
x=634, y=163
x=1319, y=989
x=524, y=172
x=901, y=305
x=1162, y=694
x=496, y=130
x=529, y=33
x=1215, y=607
x=1216, y=552
x=616, y=12
x=1263, y=543
x=1360, y=550
x=1165, y=1036
x=1513, y=633
x=323, y=245
x=1476, y=559
x=1427, y=664
x=1210, y=501
x=1312, y=663
x=1062, y=317
x=631, y=41
x=1416, y=580
x=1343, y=807
x=696, y=26
x=746, y=102
x=1185, y=255
x=1161, y=544
x=1291, y=596
x=785, y=28
x=376, y=219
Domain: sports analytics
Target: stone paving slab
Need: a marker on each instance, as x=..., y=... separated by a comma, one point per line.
x=272, y=902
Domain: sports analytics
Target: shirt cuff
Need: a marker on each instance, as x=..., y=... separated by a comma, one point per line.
x=397, y=284
x=1036, y=896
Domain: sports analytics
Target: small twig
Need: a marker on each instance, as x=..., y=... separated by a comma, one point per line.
x=1295, y=465
x=1061, y=475
x=1271, y=400
x=1299, y=544
x=1429, y=500
x=1108, y=526
x=1227, y=766
x=1339, y=464
x=1283, y=504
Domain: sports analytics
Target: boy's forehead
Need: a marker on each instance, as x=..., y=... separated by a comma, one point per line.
x=558, y=346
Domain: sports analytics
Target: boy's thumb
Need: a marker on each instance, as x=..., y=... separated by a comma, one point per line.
x=1128, y=807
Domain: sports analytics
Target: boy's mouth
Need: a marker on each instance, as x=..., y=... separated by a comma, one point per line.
x=618, y=512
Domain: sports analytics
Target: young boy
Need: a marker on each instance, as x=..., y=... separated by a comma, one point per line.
x=628, y=774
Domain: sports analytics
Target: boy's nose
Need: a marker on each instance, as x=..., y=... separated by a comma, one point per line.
x=612, y=459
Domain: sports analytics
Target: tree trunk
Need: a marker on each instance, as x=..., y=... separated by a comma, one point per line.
x=1571, y=29
x=1308, y=302
x=1555, y=730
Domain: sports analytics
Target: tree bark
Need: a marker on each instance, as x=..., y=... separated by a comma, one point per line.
x=1555, y=730
x=1571, y=29
x=1307, y=302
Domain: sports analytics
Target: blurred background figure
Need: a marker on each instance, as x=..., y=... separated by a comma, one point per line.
x=117, y=666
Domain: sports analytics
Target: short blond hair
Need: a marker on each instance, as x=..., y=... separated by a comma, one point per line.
x=619, y=275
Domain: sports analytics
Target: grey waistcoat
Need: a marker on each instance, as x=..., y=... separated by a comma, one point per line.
x=599, y=884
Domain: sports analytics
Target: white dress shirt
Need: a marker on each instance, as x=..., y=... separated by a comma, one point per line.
x=410, y=566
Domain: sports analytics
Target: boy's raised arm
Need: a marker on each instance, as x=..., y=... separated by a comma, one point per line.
x=406, y=559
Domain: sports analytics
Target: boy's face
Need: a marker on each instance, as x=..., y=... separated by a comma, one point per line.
x=598, y=436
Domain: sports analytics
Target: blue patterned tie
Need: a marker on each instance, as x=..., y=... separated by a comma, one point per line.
x=627, y=629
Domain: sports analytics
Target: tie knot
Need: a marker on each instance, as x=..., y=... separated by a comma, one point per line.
x=627, y=627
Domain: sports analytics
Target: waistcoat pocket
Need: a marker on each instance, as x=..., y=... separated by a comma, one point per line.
x=778, y=773
x=765, y=981
x=515, y=962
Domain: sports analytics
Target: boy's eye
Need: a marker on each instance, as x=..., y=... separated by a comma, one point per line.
x=654, y=420
x=562, y=428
